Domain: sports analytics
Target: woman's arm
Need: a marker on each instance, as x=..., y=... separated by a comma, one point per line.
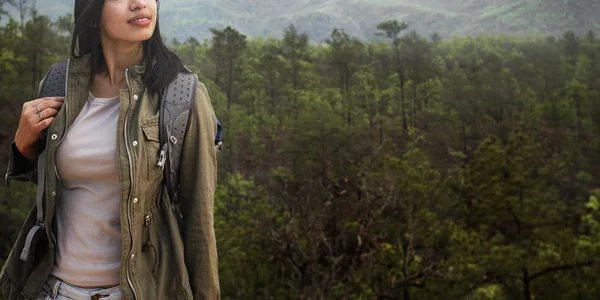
x=19, y=167
x=198, y=179
x=36, y=115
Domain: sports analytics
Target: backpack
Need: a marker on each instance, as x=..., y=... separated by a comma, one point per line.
x=175, y=107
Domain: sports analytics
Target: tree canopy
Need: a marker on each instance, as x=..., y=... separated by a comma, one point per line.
x=409, y=167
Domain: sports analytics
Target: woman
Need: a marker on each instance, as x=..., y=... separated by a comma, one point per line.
x=113, y=232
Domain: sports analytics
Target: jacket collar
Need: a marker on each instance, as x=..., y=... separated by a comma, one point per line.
x=78, y=89
x=80, y=69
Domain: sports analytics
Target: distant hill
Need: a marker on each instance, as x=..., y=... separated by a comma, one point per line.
x=185, y=18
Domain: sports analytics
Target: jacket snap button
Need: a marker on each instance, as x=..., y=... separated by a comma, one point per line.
x=54, y=136
x=135, y=200
x=53, y=193
x=135, y=97
x=135, y=143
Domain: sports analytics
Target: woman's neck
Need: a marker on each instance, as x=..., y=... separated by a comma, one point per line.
x=119, y=57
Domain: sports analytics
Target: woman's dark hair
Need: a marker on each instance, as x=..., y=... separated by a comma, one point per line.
x=162, y=65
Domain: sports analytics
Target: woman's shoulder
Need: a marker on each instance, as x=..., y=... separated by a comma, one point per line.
x=203, y=103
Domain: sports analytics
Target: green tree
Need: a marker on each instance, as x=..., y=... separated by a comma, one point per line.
x=391, y=30
x=344, y=52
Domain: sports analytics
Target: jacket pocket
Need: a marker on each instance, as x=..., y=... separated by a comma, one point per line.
x=152, y=145
x=151, y=253
x=157, y=246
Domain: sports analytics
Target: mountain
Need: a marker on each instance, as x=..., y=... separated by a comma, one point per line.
x=193, y=18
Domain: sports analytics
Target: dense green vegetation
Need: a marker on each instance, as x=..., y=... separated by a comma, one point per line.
x=259, y=18
x=409, y=168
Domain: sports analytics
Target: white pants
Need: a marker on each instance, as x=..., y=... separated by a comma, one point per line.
x=55, y=289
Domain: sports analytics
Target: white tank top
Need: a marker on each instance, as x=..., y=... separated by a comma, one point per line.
x=88, y=208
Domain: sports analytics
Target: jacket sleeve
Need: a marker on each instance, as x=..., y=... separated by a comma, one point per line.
x=19, y=168
x=198, y=179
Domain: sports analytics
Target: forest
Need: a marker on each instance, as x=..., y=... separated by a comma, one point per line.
x=406, y=167
x=257, y=18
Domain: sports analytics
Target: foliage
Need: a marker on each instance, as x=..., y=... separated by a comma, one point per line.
x=405, y=168
x=260, y=18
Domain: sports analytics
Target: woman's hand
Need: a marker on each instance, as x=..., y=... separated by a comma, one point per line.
x=36, y=116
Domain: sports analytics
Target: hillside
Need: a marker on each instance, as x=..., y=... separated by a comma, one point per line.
x=184, y=18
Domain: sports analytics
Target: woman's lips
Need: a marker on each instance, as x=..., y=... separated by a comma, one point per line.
x=141, y=22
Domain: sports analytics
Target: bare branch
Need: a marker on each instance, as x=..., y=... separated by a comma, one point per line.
x=560, y=268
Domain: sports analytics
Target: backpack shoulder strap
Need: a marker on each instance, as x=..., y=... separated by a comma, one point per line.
x=53, y=85
x=175, y=108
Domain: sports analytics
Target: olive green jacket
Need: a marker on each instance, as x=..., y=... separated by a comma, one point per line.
x=165, y=254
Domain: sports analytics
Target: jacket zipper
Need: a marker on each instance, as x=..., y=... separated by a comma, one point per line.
x=66, y=103
x=147, y=223
x=131, y=190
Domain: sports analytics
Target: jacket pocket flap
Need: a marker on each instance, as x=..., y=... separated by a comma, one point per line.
x=151, y=132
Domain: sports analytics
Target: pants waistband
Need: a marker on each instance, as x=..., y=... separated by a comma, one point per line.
x=61, y=288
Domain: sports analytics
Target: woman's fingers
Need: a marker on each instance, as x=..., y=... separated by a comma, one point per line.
x=44, y=109
x=46, y=122
x=45, y=99
x=40, y=104
x=36, y=116
x=50, y=104
x=46, y=113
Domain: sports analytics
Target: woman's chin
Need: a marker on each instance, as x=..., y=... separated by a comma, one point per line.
x=140, y=35
x=136, y=38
